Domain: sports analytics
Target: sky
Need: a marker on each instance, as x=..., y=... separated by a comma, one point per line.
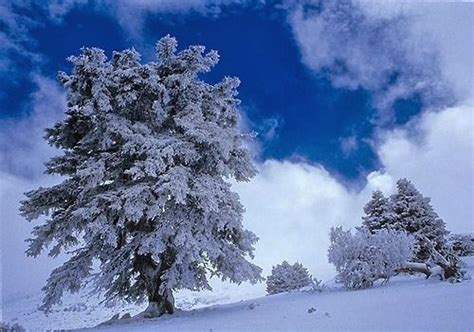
x=344, y=98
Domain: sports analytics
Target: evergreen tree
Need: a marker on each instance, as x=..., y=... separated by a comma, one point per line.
x=414, y=214
x=462, y=244
x=378, y=212
x=148, y=151
x=286, y=277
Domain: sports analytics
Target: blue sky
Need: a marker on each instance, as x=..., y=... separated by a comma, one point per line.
x=297, y=112
x=346, y=97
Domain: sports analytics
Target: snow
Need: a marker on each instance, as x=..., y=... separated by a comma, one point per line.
x=408, y=303
x=148, y=154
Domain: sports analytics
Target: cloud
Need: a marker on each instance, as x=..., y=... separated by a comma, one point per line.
x=292, y=205
x=445, y=26
x=22, y=153
x=19, y=54
x=349, y=145
x=440, y=161
x=17, y=44
x=131, y=15
x=269, y=129
x=395, y=51
x=21, y=140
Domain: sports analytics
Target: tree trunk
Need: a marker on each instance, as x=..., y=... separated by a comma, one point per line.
x=160, y=301
x=410, y=267
x=447, y=268
x=159, y=304
x=444, y=269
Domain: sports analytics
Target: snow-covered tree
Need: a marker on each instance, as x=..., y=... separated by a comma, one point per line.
x=148, y=153
x=378, y=212
x=462, y=244
x=361, y=258
x=286, y=277
x=414, y=214
x=5, y=327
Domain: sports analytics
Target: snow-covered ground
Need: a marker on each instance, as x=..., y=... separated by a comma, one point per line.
x=82, y=310
x=407, y=303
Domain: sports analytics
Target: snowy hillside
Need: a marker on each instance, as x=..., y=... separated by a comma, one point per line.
x=406, y=303
x=81, y=310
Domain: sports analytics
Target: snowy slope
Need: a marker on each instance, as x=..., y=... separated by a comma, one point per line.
x=405, y=304
x=81, y=310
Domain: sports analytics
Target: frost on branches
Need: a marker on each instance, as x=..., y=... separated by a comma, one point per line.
x=462, y=244
x=413, y=213
x=286, y=277
x=378, y=212
x=148, y=151
x=362, y=258
x=372, y=253
x=407, y=210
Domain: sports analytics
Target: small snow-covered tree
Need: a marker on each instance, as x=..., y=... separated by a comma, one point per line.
x=361, y=258
x=414, y=214
x=148, y=151
x=462, y=244
x=5, y=327
x=378, y=212
x=286, y=277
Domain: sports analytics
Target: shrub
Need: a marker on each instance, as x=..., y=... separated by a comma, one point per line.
x=286, y=277
x=362, y=258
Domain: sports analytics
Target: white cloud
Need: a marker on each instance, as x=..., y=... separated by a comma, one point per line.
x=441, y=163
x=445, y=26
x=290, y=205
x=21, y=140
x=19, y=18
x=349, y=145
x=395, y=50
x=15, y=39
x=22, y=153
x=131, y=15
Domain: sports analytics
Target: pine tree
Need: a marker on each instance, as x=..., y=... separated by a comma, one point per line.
x=414, y=214
x=378, y=212
x=148, y=151
x=286, y=277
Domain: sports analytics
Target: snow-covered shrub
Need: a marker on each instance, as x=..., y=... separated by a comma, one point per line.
x=317, y=285
x=5, y=327
x=462, y=244
x=286, y=277
x=362, y=258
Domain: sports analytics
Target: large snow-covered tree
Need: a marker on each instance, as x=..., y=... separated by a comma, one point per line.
x=149, y=150
x=414, y=214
